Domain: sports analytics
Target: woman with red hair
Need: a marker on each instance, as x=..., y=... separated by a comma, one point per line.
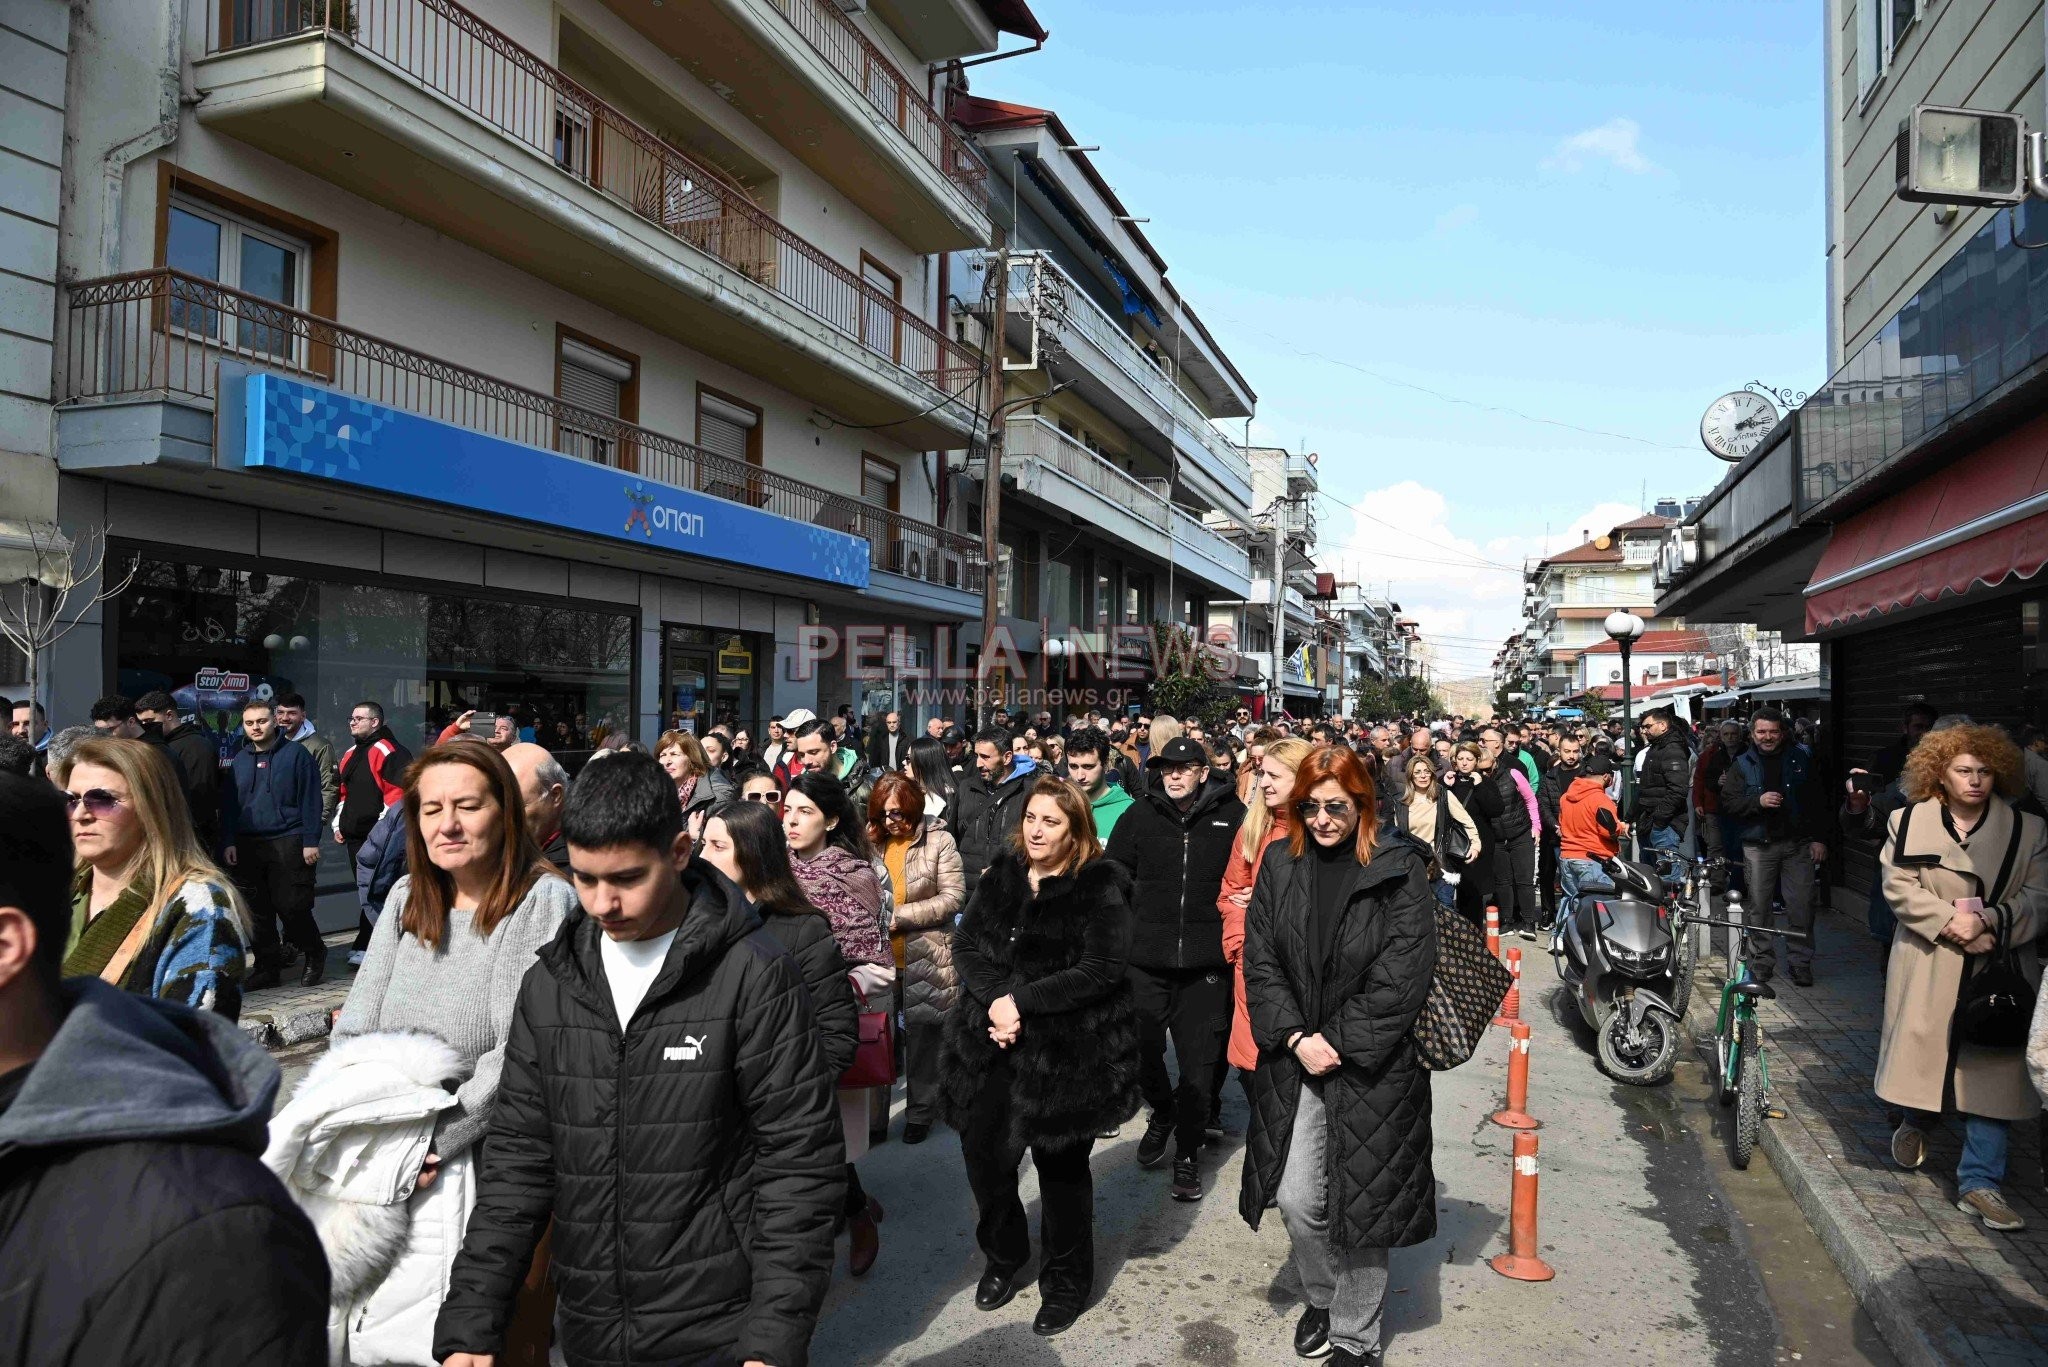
x=1339, y=952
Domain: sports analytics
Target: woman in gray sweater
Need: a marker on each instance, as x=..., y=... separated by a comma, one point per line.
x=460, y=929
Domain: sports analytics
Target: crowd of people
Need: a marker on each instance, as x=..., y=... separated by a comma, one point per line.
x=618, y=1043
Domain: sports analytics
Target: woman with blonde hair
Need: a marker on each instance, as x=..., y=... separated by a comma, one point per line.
x=150, y=911
x=1966, y=874
x=1265, y=821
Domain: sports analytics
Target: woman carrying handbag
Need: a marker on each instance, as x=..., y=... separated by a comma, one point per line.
x=1967, y=876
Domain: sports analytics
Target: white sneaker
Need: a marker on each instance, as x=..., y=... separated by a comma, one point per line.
x=355, y=958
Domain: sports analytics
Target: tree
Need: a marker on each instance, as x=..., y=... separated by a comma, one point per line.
x=1188, y=677
x=1413, y=697
x=49, y=572
x=1371, y=699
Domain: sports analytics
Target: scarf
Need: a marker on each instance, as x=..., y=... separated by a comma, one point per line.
x=95, y=944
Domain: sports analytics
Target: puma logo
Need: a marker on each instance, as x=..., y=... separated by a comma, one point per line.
x=686, y=1052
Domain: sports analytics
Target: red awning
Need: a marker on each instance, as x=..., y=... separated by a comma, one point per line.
x=1983, y=519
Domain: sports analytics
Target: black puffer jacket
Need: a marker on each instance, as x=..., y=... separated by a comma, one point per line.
x=808, y=938
x=988, y=815
x=1061, y=953
x=1550, y=792
x=1512, y=821
x=1664, y=783
x=193, y=754
x=1177, y=860
x=138, y=1224
x=1364, y=1001
x=693, y=1165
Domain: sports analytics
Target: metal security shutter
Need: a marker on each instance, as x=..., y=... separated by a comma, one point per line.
x=724, y=429
x=1963, y=659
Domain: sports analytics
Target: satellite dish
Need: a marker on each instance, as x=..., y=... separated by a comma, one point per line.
x=1601, y=543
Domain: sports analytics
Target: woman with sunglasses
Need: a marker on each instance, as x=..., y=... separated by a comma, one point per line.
x=925, y=761
x=1266, y=820
x=756, y=784
x=1339, y=954
x=150, y=911
x=930, y=887
x=834, y=864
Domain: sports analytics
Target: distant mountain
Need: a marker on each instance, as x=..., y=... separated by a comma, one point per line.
x=1467, y=697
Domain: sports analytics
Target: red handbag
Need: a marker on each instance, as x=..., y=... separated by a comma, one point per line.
x=874, y=1061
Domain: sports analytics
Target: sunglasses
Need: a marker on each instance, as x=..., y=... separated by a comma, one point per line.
x=770, y=798
x=895, y=818
x=1337, y=809
x=98, y=801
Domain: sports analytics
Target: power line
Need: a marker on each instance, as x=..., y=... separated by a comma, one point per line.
x=1356, y=511
x=1458, y=399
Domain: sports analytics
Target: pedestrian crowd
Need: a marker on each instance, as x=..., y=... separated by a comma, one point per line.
x=618, y=1043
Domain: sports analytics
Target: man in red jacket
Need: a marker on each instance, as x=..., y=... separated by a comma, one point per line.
x=371, y=775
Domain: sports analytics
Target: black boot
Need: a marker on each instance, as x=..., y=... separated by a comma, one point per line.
x=316, y=966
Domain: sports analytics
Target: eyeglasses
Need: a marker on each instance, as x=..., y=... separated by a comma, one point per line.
x=894, y=817
x=98, y=801
x=1337, y=809
x=761, y=797
x=358, y=719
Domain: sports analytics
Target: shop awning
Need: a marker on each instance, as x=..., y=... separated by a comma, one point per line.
x=1983, y=519
x=1797, y=686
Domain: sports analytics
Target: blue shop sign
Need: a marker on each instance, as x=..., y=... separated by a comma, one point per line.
x=275, y=423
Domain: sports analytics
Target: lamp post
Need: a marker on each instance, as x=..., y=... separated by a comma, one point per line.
x=1625, y=629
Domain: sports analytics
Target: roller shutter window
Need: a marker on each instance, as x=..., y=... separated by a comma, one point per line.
x=725, y=429
x=1968, y=658
x=594, y=380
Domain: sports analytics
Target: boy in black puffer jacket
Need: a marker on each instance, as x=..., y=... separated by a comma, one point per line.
x=665, y=1100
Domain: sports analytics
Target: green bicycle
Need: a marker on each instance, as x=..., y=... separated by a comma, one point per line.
x=1742, y=1076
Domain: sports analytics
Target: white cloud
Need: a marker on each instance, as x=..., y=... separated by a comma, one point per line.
x=1456, y=217
x=1465, y=593
x=1614, y=142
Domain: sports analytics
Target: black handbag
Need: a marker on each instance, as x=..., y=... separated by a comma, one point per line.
x=1454, y=843
x=1995, y=1009
x=1466, y=991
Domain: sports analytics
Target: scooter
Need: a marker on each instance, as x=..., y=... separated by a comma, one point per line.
x=1617, y=955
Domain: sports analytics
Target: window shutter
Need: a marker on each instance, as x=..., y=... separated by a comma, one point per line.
x=1869, y=49
x=587, y=389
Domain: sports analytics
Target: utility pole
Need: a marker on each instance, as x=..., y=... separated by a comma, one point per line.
x=992, y=477
x=1277, y=703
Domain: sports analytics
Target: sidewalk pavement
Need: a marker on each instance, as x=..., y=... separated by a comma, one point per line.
x=1941, y=1288
x=288, y=1015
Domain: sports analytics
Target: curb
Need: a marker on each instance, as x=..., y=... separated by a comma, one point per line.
x=301, y=1027
x=1870, y=1265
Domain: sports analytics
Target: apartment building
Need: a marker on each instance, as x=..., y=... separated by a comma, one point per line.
x=1567, y=597
x=1276, y=626
x=1112, y=466
x=1897, y=517
x=579, y=359
x=1361, y=632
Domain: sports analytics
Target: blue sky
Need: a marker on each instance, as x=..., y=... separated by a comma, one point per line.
x=1601, y=214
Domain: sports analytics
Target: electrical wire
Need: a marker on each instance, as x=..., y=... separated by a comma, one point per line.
x=1457, y=399
x=1357, y=511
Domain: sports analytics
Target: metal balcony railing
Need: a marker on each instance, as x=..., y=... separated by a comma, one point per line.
x=1037, y=439
x=868, y=70
x=165, y=332
x=450, y=51
x=1145, y=369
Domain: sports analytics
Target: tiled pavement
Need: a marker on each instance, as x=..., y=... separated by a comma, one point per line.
x=1941, y=1288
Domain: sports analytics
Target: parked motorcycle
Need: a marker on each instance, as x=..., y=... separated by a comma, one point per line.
x=1618, y=957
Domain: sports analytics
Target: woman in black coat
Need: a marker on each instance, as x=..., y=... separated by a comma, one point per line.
x=1482, y=800
x=1041, y=1047
x=1339, y=952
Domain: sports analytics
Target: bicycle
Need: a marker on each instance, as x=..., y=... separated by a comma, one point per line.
x=1742, y=1075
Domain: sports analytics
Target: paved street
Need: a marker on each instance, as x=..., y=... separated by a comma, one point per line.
x=1654, y=1262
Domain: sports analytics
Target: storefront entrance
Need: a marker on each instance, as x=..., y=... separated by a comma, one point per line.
x=712, y=678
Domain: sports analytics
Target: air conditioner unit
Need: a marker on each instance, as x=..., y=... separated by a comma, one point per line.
x=955, y=569
x=1614, y=676
x=907, y=558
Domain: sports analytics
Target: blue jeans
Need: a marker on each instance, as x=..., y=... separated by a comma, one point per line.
x=1984, y=1147
x=1580, y=875
x=1663, y=838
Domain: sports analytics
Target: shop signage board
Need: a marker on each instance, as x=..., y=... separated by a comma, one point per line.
x=272, y=422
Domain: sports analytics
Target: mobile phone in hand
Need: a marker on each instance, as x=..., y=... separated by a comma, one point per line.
x=482, y=724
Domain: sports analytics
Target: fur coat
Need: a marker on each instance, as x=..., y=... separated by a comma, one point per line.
x=1062, y=954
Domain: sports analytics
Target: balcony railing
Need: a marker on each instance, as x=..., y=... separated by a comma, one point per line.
x=450, y=51
x=165, y=332
x=1110, y=336
x=1040, y=440
x=868, y=70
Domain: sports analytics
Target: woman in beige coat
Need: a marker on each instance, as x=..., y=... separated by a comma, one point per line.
x=1958, y=839
x=930, y=887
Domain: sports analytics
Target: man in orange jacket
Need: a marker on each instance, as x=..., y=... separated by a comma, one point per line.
x=1589, y=829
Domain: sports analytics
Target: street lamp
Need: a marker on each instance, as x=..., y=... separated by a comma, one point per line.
x=1625, y=629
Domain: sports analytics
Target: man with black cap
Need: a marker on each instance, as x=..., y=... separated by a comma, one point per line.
x=138, y=1224
x=1175, y=839
x=957, y=758
x=1589, y=829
